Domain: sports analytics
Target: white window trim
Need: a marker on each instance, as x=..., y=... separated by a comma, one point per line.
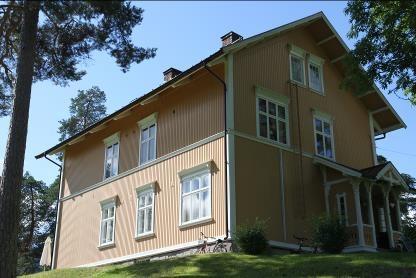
x=278, y=99
x=324, y=117
x=339, y=196
x=144, y=189
x=112, y=202
x=145, y=123
x=204, y=168
x=301, y=54
x=318, y=62
x=109, y=141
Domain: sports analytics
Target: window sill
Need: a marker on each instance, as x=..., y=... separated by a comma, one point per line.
x=294, y=82
x=322, y=94
x=195, y=223
x=106, y=245
x=144, y=236
x=267, y=140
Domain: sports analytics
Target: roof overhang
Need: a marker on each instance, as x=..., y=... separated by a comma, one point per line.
x=345, y=170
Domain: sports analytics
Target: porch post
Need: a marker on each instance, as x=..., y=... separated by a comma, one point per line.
x=360, y=228
x=386, y=192
x=327, y=190
x=398, y=214
x=368, y=187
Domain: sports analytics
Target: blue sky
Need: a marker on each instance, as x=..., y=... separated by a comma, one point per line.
x=184, y=33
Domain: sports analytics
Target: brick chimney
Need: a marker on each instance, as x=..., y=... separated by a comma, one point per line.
x=171, y=73
x=230, y=38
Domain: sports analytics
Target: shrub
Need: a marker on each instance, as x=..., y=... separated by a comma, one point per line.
x=251, y=238
x=329, y=234
x=409, y=230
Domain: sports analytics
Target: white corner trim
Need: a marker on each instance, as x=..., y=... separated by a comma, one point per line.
x=152, y=118
x=149, y=253
x=112, y=139
x=206, y=166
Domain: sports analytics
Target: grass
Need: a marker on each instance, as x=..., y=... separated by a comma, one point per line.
x=239, y=265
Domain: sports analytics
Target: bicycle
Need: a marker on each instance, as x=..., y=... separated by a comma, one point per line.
x=301, y=241
x=219, y=246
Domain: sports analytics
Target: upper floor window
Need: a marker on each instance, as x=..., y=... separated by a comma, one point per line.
x=342, y=208
x=196, y=195
x=297, y=65
x=145, y=210
x=324, y=139
x=147, y=147
x=315, y=74
x=108, y=218
x=112, y=146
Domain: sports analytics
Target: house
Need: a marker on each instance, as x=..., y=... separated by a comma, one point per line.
x=260, y=128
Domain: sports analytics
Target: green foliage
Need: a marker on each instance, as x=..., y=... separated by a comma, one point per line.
x=386, y=36
x=68, y=32
x=329, y=234
x=409, y=230
x=251, y=238
x=86, y=108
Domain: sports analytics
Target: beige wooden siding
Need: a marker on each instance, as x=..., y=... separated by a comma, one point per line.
x=79, y=231
x=186, y=114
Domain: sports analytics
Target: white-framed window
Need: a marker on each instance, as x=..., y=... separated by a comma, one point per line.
x=272, y=120
x=148, y=129
x=342, y=208
x=145, y=210
x=195, y=195
x=297, y=64
x=315, y=72
x=324, y=137
x=108, y=222
x=112, y=150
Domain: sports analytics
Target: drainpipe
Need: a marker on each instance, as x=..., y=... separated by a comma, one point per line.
x=57, y=209
x=225, y=145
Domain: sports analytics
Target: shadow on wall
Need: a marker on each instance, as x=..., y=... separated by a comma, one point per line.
x=238, y=265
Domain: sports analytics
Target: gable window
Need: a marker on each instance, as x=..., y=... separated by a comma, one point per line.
x=297, y=65
x=147, y=139
x=342, y=208
x=112, y=144
x=145, y=210
x=315, y=74
x=196, y=196
x=272, y=120
x=324, y=141
x=107, y=226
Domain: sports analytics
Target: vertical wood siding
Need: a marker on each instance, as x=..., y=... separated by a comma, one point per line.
x=79, y=232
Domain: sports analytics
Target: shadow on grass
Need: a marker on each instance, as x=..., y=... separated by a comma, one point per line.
x=238, y=265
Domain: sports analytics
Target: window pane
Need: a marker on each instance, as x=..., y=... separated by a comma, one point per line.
x=272, y=108
x=297, y=68
x=272, y=129
x=145, y=134
x=186, y=208
x=149, y=220
x=151, y=149
x=282, y=132
x=315, y=77
x=149, y=199
x=263, y=125
x=320, y=144
x=318, y=125
x=195, y=184
x=109, y=234
x=328, y=147
x=205, y=203
x=152, y=131
x=142, y=201
x=281, y=112
x=114, y=169
x=111, y=212
x=262, y=105
x=105, y=214
x=104, y=232
x=195, y=205
x=205, y=181
x=143, y=152
x=327, y=128
x=141, y=221
x=186, y=186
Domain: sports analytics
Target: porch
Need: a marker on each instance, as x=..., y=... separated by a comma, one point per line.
x=367, y=201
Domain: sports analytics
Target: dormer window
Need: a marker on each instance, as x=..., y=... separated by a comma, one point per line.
x=147, y=149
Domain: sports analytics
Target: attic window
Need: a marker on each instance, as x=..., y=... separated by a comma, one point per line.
x=297, y=65
x=315, y=72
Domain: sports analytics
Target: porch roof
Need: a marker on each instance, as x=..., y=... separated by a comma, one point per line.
x=382, y=172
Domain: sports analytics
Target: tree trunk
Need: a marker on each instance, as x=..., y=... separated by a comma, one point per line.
x=16, y=144
x=29, y=241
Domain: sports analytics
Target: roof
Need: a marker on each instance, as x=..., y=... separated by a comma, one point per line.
x=372, y=172
x=326, y=37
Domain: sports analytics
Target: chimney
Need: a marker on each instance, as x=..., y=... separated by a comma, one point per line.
x=230, y=38
x=171, y=73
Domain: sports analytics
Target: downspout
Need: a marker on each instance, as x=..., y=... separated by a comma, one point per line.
x=57, y=209
x=225, y=145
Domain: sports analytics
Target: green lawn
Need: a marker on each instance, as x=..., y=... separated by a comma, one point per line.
x=238, y=265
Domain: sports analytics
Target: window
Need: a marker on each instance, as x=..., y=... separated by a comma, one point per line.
x=196, y=196
x=145, y=211
x=297, y=71
x=272, y=120
x=342, y=208
x=324, y=143
x=147, y=139
x=315, y=77
x=111, y=156
x=108, y=217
